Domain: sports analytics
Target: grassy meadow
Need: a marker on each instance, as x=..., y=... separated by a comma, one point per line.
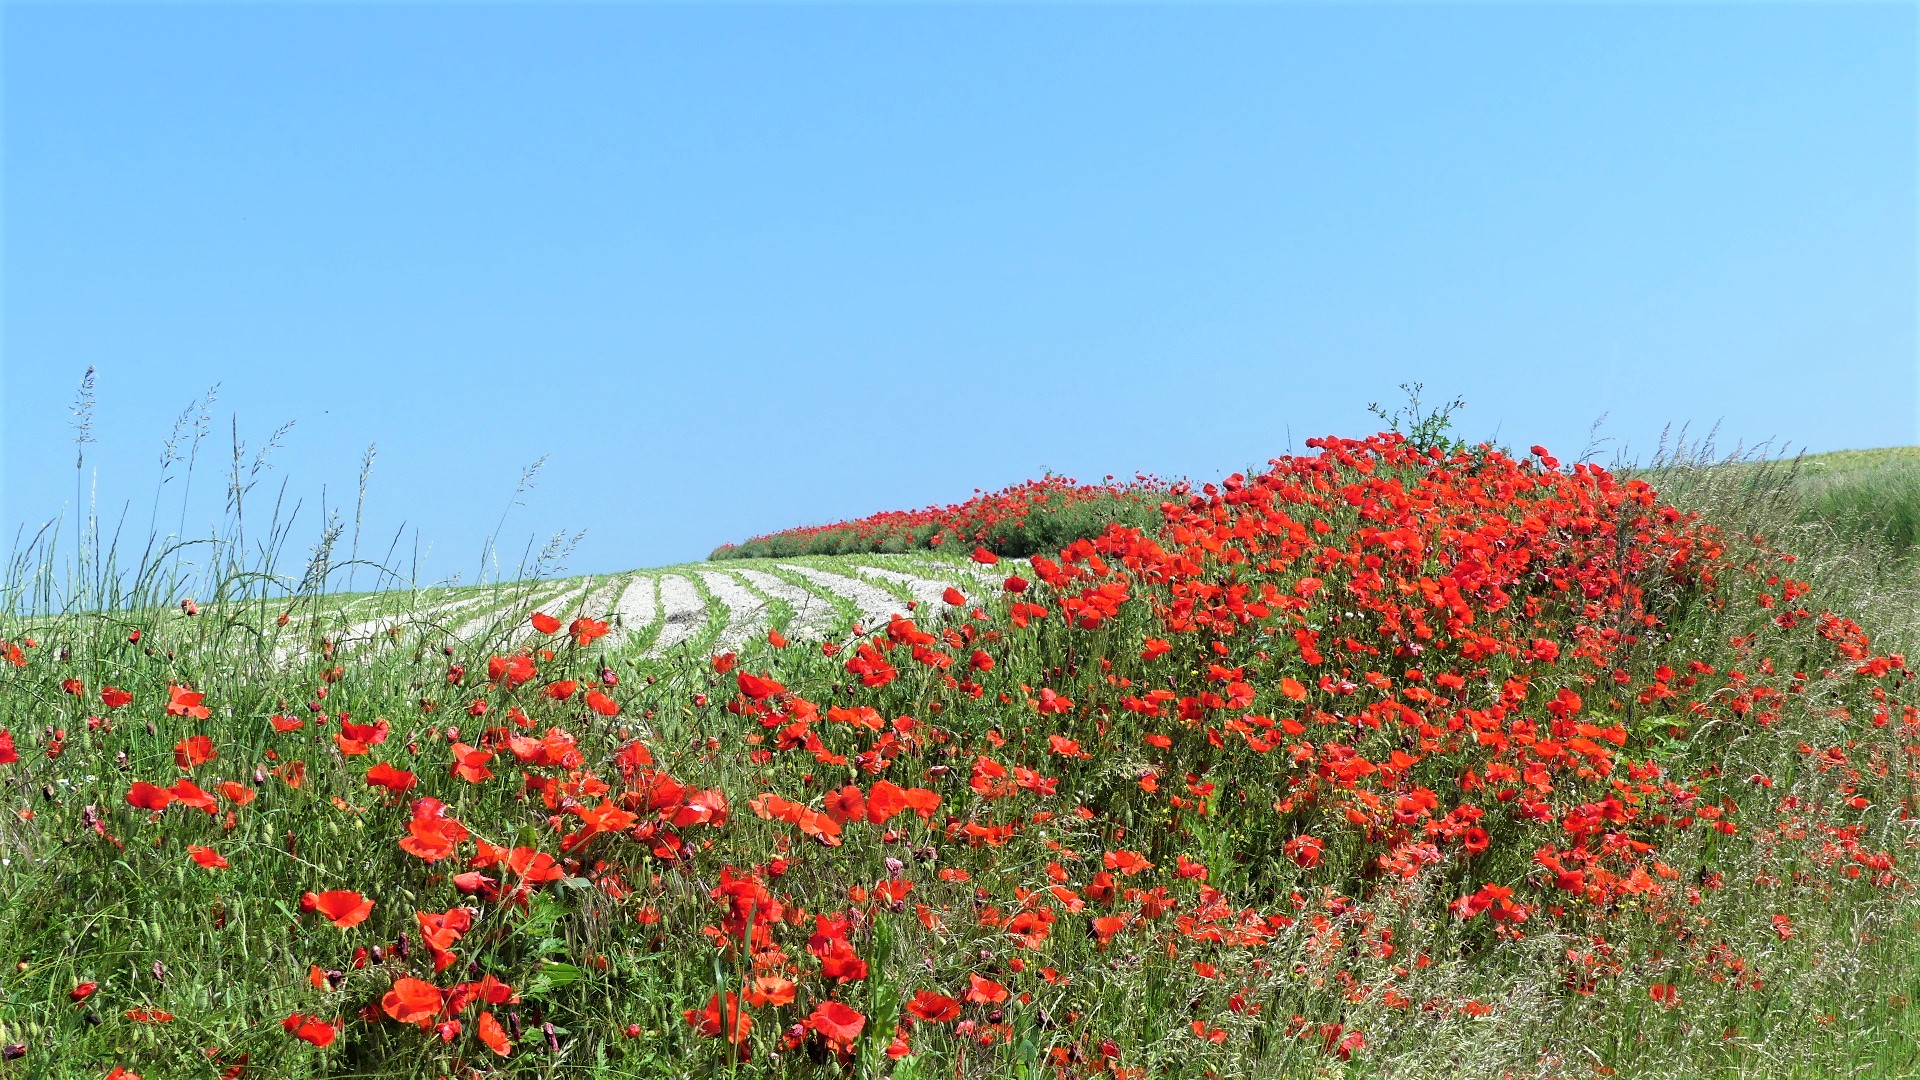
x=1399, y=758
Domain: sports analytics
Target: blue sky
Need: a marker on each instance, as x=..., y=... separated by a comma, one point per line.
x=734, y=268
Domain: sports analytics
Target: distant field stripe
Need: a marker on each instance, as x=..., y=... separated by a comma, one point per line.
x=813, y=615
x=635, y=613
x=875, y=604
x=925, y=590
x=683, y=613
x=746, y=611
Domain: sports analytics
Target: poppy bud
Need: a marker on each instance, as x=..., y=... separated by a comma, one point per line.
x=13, y=1051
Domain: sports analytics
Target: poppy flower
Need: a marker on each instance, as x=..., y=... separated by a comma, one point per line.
x=237, y=794
x=310, y=1028
x=470, y=763
x=837, y=1023
x=113, y=697
x=189, y=794
x=984, y=557
x=8, y=755
x=194, y=750
x=492, y=1034
x=934, y=1008
x=602, y=704
x=343, y=907
x=206, y=857
x=82, y=991
x=412, y=1001
x=1304, y=851
x=776, y=639
x=884, y=800
x=544, y=623
x=284, y=724
x=771, y=991
x=145, y=796
x=394, y=780
x=984, y=991
x=708, y=1022
x=185, y=702
x=757, y=688
x=954, y=597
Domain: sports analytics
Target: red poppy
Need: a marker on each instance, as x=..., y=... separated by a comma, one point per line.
x=310, y=1028
x=984, y=557
x=206, y=857
x=836, y=1023
x=394, y=780
x=470, y=763
x=284, y=724
x=934, y=1008
x=188, y=794
x=343, y=907
x=984, y=991
x=492, y=1034
x=757, y=688
x=185, y=702
x=145, y=796
x=602, y=704
x=8, y=755
x=771, y=991
x=708, y=1022
x=954, y=597
x=544, y=623
x=113, y=697
x=412, y=1001
x=884, y=800
x=194, y=750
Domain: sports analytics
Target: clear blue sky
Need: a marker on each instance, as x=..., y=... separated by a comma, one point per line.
x=736, y=268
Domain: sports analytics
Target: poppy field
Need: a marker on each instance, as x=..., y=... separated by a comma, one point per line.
x=1394, y=758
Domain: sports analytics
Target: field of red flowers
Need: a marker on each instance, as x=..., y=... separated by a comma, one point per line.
x=1390, y=760
x=1035, y=517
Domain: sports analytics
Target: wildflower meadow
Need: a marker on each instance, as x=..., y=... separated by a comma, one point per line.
x=1398, y=757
